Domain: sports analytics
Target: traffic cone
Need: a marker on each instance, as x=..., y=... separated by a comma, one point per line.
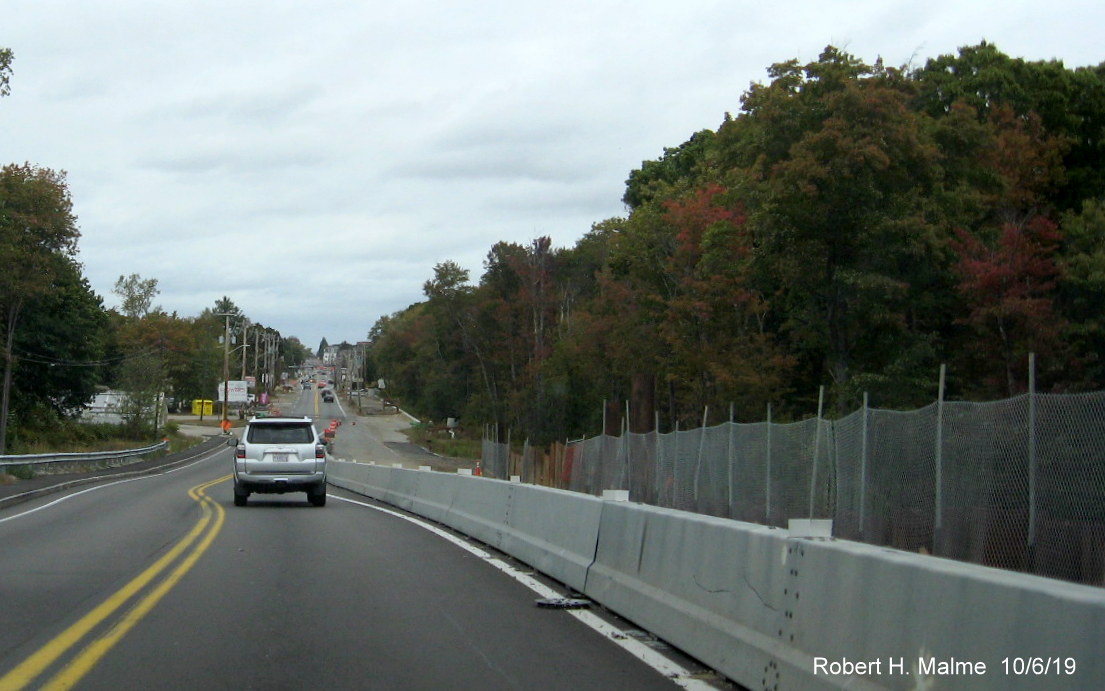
x=477, y=471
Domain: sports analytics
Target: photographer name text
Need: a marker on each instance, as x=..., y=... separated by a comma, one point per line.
x=945, y=667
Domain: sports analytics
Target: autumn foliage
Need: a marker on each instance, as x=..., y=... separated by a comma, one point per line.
x=853, y=226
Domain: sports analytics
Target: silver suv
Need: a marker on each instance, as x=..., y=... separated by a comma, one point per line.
x=277, y=455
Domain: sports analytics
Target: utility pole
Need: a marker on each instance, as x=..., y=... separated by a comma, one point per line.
x=226, y=371
x=245, y=347
x=9, y=364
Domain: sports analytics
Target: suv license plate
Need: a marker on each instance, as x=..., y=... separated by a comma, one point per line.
x=281, y=457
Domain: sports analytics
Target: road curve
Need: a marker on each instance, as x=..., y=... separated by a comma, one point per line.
x=159, y=581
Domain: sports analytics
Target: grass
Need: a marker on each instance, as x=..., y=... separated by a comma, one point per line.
x=88, y=441
x=439, y=441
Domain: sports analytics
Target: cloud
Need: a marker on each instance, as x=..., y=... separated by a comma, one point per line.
x=314, y=161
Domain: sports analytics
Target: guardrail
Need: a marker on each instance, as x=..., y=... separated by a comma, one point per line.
x=89, y=457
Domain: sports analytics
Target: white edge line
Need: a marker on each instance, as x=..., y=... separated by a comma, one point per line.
x=677, y=673
x=109, y=484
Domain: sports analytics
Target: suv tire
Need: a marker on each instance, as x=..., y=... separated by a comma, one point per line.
x=317, y=497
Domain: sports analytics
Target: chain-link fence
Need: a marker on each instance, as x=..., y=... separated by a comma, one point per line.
x=1018, y=483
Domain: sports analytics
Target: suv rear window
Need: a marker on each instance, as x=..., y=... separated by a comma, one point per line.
x=280, y=433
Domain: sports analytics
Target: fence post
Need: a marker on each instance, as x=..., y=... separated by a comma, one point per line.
x=730, y=465
x=816, y=444
x=675, y=467
x=698, y=463
x=625, y=446
x=767, y=488
x=1032, y=462
x=658, y=453
x=579, y=470
x=863, y=469
x=938, y=516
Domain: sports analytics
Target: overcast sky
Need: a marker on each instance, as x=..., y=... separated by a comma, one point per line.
x=314, y=160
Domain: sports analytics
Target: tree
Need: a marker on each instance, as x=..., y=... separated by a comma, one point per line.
x=1081, y=290
x=6, y=58
x=137, y=295
x=654, y=179
x=61, y=346
x=712, y=326
x=1069, y=104
x=1007, y=284
x=840, y=170
x=37, y=226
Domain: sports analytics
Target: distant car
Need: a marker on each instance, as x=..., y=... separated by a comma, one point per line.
x=328, y=395
x=277, y=455
x=322, y=385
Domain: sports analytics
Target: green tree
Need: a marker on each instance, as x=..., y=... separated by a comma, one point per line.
x=1081, y=291
x=37, y=226
x=137, y=295
x=849, y=245
x=655, y=179
x=61, y=349
x=6, y=58
x=1069, y=103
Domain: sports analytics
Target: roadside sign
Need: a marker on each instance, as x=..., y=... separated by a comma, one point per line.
x=237, y=392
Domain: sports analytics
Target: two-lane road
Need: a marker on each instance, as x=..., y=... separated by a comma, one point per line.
x=160, y=582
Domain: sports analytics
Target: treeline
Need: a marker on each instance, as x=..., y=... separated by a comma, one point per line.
x=60, y=345
x=853, y=226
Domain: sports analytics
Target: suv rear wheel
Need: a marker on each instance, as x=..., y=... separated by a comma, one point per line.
x=317, y=496
x=240, y=496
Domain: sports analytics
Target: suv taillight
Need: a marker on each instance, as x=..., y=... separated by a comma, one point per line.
x=240, y=452
x=320, y=451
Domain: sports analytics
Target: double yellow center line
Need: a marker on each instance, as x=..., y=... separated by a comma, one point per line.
x=198, y=540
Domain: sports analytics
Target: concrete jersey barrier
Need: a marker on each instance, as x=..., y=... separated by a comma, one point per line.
x=552, y=530
x=769, y=610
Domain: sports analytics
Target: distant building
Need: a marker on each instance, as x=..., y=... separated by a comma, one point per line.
x=108, y=407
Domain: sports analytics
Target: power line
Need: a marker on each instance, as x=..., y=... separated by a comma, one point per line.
x=55, y=362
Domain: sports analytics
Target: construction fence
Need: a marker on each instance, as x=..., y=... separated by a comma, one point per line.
x=1016, y=484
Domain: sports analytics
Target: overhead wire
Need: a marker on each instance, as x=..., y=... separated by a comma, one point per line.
x=56, y=362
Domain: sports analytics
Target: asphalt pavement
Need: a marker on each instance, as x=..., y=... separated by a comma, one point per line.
x=369, y=434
